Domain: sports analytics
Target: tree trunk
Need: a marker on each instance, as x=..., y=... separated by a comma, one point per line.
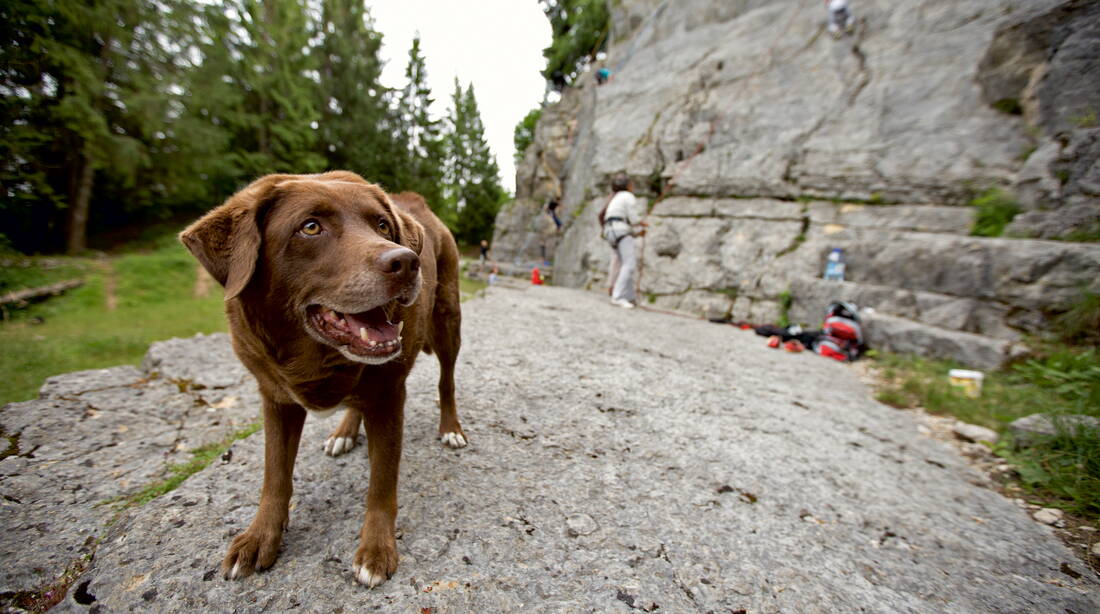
x=80, y=198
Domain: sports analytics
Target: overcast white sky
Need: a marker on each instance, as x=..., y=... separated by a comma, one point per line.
x=496, y=44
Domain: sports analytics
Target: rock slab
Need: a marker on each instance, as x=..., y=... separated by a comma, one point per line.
x=619, y=460
x=94, y=436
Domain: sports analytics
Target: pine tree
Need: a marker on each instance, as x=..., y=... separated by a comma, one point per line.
x=85, y=99
x=358, y=127
x=472, y=174
x=579, y=29
x=274, y=126
x=423, y=134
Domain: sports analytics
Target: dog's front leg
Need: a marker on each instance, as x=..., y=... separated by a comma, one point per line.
x=257, y=547
x=376, y=558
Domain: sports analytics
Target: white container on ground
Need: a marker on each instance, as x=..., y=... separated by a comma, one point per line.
x=969, y=381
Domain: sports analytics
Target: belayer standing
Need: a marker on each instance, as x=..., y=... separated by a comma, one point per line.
x=483, y=257
x=620, y=223
x=840, y=18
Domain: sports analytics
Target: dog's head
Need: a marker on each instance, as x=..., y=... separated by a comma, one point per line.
x=330, y=251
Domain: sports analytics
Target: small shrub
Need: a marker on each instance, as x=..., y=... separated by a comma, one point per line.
x=1085, y=234
x=1086, y=119
x=524, y=133
x=995, y=210
x=785, y=301
x=1081, y=323
x=1010, y=106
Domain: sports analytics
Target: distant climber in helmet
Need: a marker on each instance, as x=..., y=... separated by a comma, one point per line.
x=840, y=18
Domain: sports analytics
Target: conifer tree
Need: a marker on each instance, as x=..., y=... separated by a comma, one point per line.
x=424, y=135
x=472, y=174
x=358, y=127
x=87, y=93
x=579, y=29
x=274, y=127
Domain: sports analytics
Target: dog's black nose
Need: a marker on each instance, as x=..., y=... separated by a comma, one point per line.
x=399, y=261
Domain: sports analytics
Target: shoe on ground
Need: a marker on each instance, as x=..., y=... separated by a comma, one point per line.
x=773, y=341
x=623, y=304
x=794, y=345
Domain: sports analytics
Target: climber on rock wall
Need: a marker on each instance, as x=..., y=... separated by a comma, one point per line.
x=840, y=18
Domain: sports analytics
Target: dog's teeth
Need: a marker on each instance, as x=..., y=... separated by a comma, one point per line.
x=400, y=325
x=363, y=334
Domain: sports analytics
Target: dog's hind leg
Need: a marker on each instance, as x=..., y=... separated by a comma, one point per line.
x=343, y=439
x=446, y=339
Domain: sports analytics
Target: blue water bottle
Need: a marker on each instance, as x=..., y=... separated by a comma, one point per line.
x=834, y=265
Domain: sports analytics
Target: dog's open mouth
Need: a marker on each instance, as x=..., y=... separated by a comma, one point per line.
x=368, y=333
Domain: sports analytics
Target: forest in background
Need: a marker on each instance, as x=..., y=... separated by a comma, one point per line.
x=120, y=113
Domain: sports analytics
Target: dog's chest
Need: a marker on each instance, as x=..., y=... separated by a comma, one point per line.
x=323, y=397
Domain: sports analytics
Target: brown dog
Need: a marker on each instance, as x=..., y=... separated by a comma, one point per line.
x=332, y=288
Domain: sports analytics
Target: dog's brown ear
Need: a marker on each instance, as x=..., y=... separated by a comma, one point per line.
x=410, y=232
x=226, y=241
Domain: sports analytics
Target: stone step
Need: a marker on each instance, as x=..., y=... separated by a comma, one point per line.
x=811, y=295
x=900, y=335
x=970, y=331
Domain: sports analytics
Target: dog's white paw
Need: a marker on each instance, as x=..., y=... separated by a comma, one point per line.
x=454, y=440
x=368, y=577
x=335, y=446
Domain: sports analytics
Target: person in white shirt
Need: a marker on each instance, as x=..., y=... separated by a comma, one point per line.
x=840, y=18
x=621, y=223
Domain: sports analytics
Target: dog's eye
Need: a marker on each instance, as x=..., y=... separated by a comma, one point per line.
x=384, y=227
x=311, y=228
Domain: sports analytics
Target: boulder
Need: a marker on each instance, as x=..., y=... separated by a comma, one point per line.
x=93, y=437
x=1031, y=429
x=974, y=432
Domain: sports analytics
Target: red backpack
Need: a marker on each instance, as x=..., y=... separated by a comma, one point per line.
x=841, y=334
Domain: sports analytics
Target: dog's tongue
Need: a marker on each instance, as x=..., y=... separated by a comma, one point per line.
x=373, y=324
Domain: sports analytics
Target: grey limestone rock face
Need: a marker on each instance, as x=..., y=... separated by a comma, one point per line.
x=93, y=436
x=635, y=460
x=759, y=143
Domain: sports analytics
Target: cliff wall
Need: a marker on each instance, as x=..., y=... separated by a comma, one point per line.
x=758, y=142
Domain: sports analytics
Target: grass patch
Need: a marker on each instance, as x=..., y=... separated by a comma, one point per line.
x=128, y=301
x=785, y=302
x=19, y=273
x=1086, y=234
x=470, y=288
x=201, y=457
x=1087, y=119
x=9, y=444
x=1059, y=381
x=1080, y=324
x=995, y=211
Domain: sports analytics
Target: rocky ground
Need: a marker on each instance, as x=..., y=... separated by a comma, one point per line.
x=619, y=461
